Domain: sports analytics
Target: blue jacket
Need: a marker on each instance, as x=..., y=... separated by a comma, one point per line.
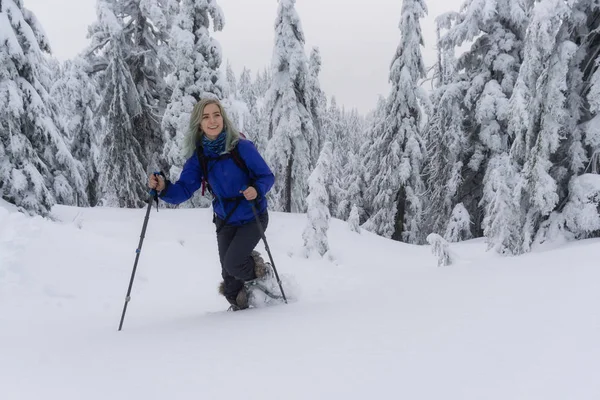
x=226, y=179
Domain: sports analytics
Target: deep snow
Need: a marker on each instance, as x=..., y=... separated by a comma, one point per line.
x=376, y=319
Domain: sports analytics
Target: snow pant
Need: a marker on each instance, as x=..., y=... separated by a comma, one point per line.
x=235, y=248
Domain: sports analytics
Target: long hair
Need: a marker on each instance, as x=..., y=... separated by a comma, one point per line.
x=194, y=134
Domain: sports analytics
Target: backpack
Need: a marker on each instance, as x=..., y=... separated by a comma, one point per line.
x=235, y=156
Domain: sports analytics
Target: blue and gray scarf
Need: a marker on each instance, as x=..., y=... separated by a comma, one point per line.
x=216, y=146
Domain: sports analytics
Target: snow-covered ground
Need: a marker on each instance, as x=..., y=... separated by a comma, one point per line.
x=378, y=319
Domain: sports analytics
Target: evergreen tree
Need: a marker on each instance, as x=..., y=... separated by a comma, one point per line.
x=127, y=53
x=315, y=233
x=484, y=80
x=459, y=225
x=590, y=88
x=232, y=85
x=398, y=141
x=291, y=126
x=197, y=59
x=580, y=218
x=348, y=180
x=369, y=156
x=149, y=62
x=252, y=120
x=123, y=177
x=354, y=219
x=76, y=94
x=333, y=128
x=36, y=166
x=316, y=102
x=446, y=142
x=539, y=116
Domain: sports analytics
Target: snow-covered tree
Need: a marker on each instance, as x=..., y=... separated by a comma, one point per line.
x=232, y=86
x=477, y=126
x=369, y=155
x=580, y=218
x=149, y=61
x=143, y=25
x=348, y=184
x=500, y=229
x=316, y=103
x=440, y=248
x=590, y=45
x=197, y=59
x=459, y=225
x=446, y=145
x=36, y=166
x=76, y=94
x=334, y=130
x=253, y=120
x=539, y=115
x=123, y=177
x=315, y=233
x=129, y=56
x=398, y=143
x=291, y=126
x=354, y=219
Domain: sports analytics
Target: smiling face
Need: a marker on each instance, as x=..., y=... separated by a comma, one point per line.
x=212, y=121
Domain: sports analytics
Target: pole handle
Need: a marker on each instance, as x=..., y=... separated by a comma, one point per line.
x=153, y=193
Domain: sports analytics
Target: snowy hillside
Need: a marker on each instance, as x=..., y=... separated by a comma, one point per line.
x=378, y=320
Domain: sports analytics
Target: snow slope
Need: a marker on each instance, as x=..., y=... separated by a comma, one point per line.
x=377, y=320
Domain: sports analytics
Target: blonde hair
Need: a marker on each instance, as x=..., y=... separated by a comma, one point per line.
x=195, y=133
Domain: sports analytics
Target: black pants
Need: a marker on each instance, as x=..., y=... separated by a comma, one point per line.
x=235, y=246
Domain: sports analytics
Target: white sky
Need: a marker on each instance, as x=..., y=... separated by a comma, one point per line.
x=357, y=39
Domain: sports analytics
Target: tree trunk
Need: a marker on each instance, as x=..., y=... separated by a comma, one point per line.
x=288, y=186
x=399, y=218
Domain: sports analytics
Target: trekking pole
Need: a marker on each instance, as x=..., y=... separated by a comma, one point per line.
x=262, y=234
x=153, y=196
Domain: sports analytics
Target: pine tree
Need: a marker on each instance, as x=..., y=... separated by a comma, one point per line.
x=253, y=127
x=485, y=77
x=232, y=85
x=316, y=102
x=197, y=59
x=122, y=172
x=580, y=218
x=36, y=166
x=315, y=233
x=76, y=94
x=123, y=177
x=128, y=55
x=149, y=61
x=291, y=126
x=538, y=103
x=446, y=142
x=459, y=225
x=333, y=128
x=590, y=90
x=369, y=156
x=398, y=142
x=354, y=219
x=348, y=168
x=565, y=125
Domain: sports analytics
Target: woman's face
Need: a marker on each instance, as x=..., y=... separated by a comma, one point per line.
x=212, y=121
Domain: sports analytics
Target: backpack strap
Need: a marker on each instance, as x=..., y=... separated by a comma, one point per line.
x=204, y=165
x=235, y=156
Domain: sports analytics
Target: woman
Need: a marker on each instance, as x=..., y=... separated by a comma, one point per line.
x=237, y=176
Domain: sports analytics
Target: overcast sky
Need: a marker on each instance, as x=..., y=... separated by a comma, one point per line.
x=357, y=39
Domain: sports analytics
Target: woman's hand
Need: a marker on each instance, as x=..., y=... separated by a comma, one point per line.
x=156, y=182
x=250, y=193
